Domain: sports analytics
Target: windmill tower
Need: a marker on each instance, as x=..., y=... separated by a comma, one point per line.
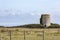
x=45, y=20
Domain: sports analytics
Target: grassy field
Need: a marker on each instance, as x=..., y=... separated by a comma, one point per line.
x=29, y=34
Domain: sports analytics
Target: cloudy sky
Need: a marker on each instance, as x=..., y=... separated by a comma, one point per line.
x=20, y=12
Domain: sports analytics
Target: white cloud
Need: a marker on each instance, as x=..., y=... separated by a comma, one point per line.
x=9, y=12
x=32, y=14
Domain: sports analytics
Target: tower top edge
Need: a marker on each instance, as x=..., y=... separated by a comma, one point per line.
x=45, y=14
